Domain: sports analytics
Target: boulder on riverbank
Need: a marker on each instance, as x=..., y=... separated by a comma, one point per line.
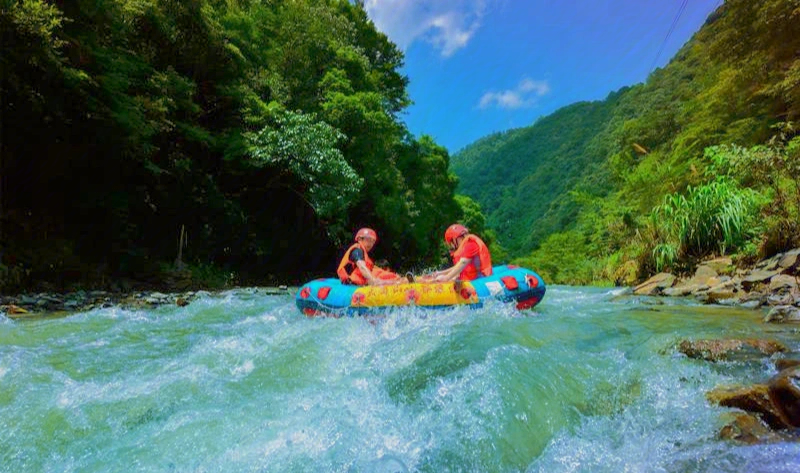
x=777, y=402
x=773, y=282
x=771, y=410
x=655, y=285
x=750, y=429
x=719, y=350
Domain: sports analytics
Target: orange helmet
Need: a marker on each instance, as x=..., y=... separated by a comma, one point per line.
x=454, y=231
x=366, y=233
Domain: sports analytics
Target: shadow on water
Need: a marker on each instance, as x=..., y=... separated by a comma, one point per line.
x=466, y=346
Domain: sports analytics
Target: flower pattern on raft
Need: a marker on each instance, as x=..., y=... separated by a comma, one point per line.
x=467, y=292
x=531, y=281
x=358, y=299
x=412, y=296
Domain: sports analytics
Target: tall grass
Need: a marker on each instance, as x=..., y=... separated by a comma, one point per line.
x=714, y=218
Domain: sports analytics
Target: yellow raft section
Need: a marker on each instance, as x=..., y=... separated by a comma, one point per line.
x=419, y=294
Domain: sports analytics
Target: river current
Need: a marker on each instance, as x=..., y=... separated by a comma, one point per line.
x=589, y=381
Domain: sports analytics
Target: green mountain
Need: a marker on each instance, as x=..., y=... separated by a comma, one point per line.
x=592, y=191
x=548, y=160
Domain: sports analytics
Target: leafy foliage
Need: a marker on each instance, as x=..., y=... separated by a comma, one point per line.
x=661, y=173
x=773, y=170
x=307, y=150
x=269, y=130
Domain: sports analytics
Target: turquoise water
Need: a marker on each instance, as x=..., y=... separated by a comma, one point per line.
x=242, y=382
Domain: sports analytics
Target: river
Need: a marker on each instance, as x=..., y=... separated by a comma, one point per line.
x=590, y=381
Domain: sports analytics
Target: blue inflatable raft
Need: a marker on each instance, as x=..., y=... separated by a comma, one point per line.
x=508, y=283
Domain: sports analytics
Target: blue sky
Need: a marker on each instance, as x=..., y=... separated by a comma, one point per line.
x=481, y=66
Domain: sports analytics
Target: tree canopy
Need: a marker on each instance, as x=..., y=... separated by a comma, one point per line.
x=268, y=130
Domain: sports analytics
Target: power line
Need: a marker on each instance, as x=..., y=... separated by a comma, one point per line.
x=669, y=33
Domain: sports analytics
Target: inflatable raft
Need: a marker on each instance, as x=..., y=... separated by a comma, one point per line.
x=329, y=297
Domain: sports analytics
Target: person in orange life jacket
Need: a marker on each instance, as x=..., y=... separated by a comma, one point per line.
x=471, y=257
x=357, y=267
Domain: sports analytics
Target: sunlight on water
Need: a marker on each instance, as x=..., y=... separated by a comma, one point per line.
x=590, y=381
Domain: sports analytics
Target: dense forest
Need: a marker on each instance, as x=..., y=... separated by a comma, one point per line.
x=702, y=159
x=243, y=141
x=238, y=140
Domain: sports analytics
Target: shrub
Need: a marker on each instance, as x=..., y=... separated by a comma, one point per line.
x=772, y=170
x=716, y=218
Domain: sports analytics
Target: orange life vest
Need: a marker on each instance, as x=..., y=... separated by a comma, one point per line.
x=348, y=272
x=481, y=264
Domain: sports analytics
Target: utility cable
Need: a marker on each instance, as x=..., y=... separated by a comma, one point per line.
x=669, y=33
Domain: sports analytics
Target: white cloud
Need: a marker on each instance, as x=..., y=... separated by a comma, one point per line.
x=523, y=95
x=447, y=24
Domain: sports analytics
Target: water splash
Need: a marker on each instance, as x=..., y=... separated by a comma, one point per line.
x=240, y=381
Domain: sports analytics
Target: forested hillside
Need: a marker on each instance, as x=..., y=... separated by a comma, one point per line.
x=700, y=160
x=263, y=132
x=547, y=159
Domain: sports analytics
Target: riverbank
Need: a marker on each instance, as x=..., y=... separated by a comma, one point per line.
x=50, y=304
x=772, y=283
